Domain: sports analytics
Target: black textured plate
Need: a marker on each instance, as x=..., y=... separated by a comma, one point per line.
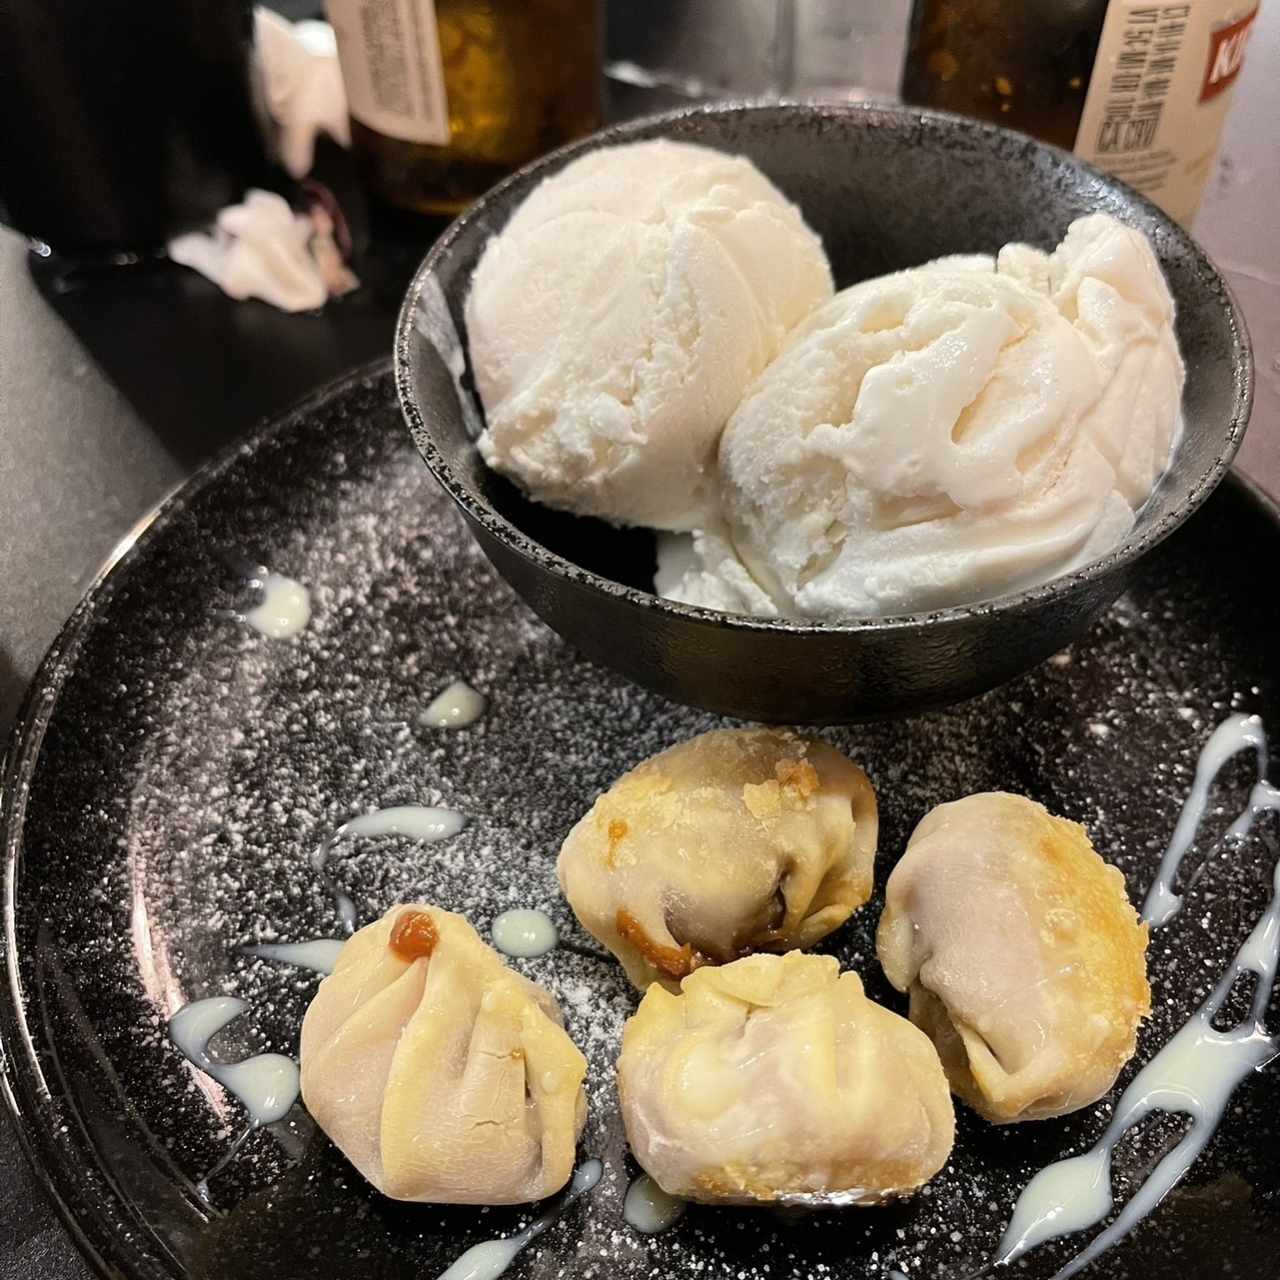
x=173, y=769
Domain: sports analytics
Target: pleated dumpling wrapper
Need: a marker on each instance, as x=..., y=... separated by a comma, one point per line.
x=775, y=1080
x=1024, y=960
x=736, y=841
x=441, y=1074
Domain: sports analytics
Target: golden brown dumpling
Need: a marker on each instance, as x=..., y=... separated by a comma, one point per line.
x=735, y=841
x=441, y=1074
x=1024, y=960
x=775, y=1080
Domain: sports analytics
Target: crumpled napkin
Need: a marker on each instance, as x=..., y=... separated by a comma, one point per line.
x=302, y=86
x=262, y=249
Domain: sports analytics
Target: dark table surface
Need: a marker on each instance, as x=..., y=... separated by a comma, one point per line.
x=116, y=388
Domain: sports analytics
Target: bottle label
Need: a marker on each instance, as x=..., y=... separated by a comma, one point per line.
x=391, y=65
x=1226, y=56
x=1158, y=96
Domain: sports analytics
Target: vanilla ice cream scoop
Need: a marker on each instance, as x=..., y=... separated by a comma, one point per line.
x=1104, y=277
x=945, y=434
x=615, y=321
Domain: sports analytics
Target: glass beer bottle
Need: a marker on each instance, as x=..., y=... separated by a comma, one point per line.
x=1138, y=87
x=448, y=96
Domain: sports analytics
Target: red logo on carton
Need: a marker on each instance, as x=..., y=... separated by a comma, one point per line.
x=1226, y=56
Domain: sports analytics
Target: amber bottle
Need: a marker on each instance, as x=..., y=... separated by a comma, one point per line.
x=448, y=96
x=1138, y=87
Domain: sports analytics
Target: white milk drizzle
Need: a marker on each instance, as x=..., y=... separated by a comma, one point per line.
x=1196, y=1072
x=455, y=707
x=415, y=822
x=524, y=933
x=1239, y=733
x=648, y=1209
x=285, y=607
x=489, y=1259
x=319, y=954
x=266, y=1084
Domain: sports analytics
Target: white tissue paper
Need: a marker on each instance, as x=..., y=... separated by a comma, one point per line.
x=302, y=85
x=262, y=248
x=258, y=249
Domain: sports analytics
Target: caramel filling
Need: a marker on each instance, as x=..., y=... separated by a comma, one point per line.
x=414, y=935
x=676, y=962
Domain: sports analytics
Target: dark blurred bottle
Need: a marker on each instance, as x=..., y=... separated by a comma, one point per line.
x=1140, y=89
x=124, y=123
x=448, y=96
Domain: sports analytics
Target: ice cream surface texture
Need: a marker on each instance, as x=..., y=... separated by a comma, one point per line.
x=946, y=434
x=616, y=320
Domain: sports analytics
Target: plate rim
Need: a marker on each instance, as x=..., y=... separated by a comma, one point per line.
x=24, y=1092
x=79, y=1197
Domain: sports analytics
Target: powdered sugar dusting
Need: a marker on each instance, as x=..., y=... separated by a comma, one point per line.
x=228, y=758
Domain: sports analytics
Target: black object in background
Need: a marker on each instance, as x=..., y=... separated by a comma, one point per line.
x=1025, y=64
x=125, y=120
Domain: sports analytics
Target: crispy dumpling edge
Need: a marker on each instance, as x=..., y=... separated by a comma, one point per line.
x=995, y=1098
x=647, y=960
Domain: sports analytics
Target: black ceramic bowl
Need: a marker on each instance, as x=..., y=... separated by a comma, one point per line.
x=885, y=187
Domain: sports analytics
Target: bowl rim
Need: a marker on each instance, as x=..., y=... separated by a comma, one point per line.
x=408, y=344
